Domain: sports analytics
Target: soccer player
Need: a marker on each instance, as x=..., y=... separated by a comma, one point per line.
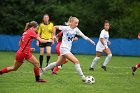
x=24, y=51
x=134, y=68
x=45, y=31
x=102, y=46
x=69, y=33
x=57, y=49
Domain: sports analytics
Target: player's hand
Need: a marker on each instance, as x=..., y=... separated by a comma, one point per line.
x=32, y=49
x=94, y=43
x=75, y=38
x=105, y=47
x=109, y=43
x=37, y=43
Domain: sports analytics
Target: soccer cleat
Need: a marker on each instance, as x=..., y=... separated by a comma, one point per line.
x=47, y=64
x=41, y=81
x=133, y=71
x=42, y=70
x=83, y=78
x=91, y=69
x=104, y=68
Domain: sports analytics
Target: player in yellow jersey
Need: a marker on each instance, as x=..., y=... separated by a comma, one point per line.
x=45, y=31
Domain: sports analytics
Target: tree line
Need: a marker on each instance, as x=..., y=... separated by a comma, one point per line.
x=124, y=15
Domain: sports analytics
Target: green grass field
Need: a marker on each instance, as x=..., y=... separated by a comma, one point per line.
x=117, y=78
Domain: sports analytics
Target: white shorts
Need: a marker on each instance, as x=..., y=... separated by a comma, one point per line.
x=64, y=51
x=100, y=48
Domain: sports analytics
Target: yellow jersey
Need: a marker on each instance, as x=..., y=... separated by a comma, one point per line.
x=46, y=30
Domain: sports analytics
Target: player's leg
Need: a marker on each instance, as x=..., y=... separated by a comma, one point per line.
x=11, y=68
x=35, y=62
x=53, y=64
x=56, y=69
x=109, y=55
x=135, y=68
x=98, y=55
x=73, y=59
x=41, y=56
x=48, y=52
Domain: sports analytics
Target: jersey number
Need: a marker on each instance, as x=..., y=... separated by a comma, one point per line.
x=70, y=38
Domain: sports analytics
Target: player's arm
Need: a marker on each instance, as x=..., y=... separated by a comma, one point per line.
x=102, y=41
x=109, y=43
x=38, y=33
x=43, y=40
x=54, y=35
x=85, y=37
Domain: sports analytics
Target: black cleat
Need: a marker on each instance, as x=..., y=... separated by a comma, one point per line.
x=91, y=69
x=133, y=70
x=104, y=67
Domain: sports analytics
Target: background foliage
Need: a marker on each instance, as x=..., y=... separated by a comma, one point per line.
x=124, y=15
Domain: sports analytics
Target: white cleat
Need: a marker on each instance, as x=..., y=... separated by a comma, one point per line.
x=60, y=67
x=42, y=70
x=83, y=78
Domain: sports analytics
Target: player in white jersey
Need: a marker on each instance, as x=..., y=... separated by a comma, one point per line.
x=69, y=33
x=102, y=46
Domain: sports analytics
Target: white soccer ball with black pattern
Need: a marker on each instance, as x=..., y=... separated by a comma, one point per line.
x=90, y=80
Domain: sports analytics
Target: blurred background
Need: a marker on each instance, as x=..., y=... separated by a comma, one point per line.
x=124, y=15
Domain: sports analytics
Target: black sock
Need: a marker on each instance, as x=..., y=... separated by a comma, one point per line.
x=41, y=60
x=48, y=58
x=37, y=77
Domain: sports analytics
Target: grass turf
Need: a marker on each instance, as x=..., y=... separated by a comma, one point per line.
x=117, y=78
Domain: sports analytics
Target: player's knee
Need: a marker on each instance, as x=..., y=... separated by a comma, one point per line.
x=76, y=61
x=96, y=58
x=110, y=55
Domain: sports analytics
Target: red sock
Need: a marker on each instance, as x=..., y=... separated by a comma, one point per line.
x=138, y=65
x=4, y=70
x=55, y=69
x=36, y=71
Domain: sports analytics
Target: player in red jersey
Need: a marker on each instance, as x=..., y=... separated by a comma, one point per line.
x=57, y=49
x=24, y=53
x=134, y=68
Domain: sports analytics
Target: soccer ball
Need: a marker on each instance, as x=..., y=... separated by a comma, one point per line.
x=90, y=80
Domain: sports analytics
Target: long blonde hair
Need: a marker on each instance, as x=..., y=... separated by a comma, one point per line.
x=71, y=18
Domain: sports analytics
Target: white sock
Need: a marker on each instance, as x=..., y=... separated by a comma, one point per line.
x=107, y=59
x=50, y=66
x=79, y=70
x=94, y=61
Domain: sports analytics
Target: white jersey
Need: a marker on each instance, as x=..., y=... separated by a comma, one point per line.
x=105, y=35
x=68, y=35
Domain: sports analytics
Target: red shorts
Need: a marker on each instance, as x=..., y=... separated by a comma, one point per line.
x=57, y=48
x=20, y=56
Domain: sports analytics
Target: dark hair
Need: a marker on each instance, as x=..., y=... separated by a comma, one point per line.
x=106, y=21
x=31, y=24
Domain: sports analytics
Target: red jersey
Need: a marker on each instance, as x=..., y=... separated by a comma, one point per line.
x=26, y=40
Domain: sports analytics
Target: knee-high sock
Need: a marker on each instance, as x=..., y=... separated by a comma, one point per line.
x=107, y=59
x=48, y=58
x=79, y=70
x=94, y=61
x=41, y=60
x=55, y=69
x=50, y=66
x=36, y=72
